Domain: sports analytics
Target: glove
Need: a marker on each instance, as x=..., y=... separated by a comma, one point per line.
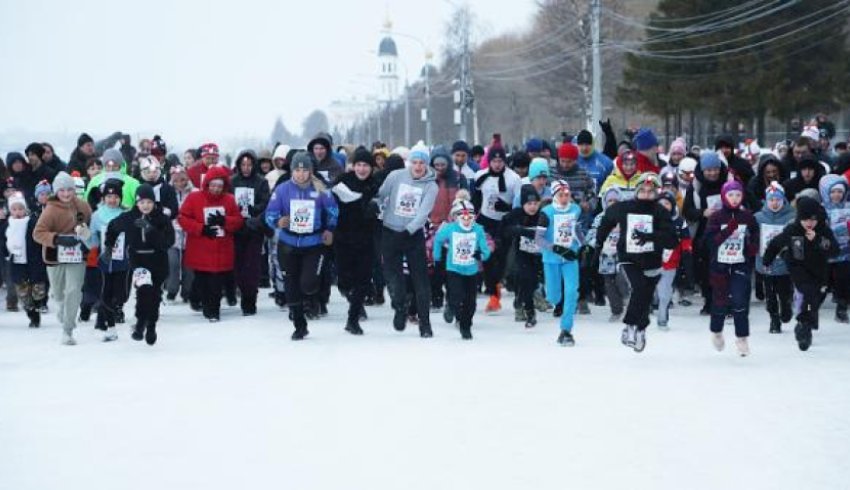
x=565, y=253
x=209, y=231
x=216, y=219
x=606, y=126
x=641, y=237
x=252, y=210
x=501, y=206
x=66, y=240
x=106, y=254
x=82, y=231
x=143, y=224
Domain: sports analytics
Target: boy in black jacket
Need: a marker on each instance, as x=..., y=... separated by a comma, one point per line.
x=148, y=234
x=519, y=227
x=806, y=244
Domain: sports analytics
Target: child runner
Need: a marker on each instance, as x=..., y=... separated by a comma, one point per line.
x=520, y=228
x=27, y=270
x=671, y=259
x=833, y=190
x=774, y=216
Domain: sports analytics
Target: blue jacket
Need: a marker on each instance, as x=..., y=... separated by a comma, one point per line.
x=837, y=214
x=462, y=245
x=317, y=204
x=599, y=166
x=549, y=218
x=99, y=221
x=770, y=224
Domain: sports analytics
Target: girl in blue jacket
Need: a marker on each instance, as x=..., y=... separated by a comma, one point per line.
x=559, y=239
x=466, y=241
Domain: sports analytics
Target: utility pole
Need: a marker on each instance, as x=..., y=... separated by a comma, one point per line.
x=406, y=113
x=465, y=92
x=391, y=126
x=428, y=56
x=597, y=66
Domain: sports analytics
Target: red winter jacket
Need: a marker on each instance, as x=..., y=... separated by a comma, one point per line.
x=203, y=253
x=196, y=174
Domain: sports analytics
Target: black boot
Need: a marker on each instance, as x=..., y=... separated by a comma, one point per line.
x=803, y=334
x=85, y=312
x=138, y=330
x=249, y=304
x=150, y=333
x=399, y=320
x=425, y=329
x=362, y=316
x=352, y=326
x=297, y=314
x=559, y=309
x=35, y=318
x=379, y=297
x=841, y=313
x=466, y=332
x=119, y=315
x=775, y=324
x=448, y=314
x=786, y=311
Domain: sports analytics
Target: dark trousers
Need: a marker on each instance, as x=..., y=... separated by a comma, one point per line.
x=702, y=260
x=149, y=297
x=229, y=285
x=640, y=301
x=395, y=247
x=810, y=306
x=249, y=253
x=731, y=294
x=378, y=282
x=840, y=282
x=92, y=286
x=208, y=286
x=304, y=268
x=354, y=268
x=113, y=296
x=779, y=294
x=462, y=292
x=528, y=270
x=494, y=268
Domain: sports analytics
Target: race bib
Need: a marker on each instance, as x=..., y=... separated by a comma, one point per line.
x=642, y=223
x=528, y=245
x=117, y=249
x=142, y=277
x=244, y=199
x=463, y=248
x=302, y=216
x=212, y=210
x=838, y=222
x=69, y=255
x=564, y=230
x=407, y=201
x=714, y=202
x=731, y=251
x=768, y=233
x=610, y=245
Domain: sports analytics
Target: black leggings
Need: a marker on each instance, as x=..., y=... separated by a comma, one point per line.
x=462, y=291
x=304, y=268
x=640, y=301
x=354, y=270
x=208, y=286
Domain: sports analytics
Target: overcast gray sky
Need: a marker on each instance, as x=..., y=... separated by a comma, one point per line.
x=203, y=70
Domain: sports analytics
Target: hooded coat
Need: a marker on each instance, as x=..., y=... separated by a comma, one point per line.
x=797, y=184
x=128, y=190
x=838, y=214
x=768, y=220
x=757, y=185
x=328, y=169
x=254, y=201
x=203, y=253
x=447, y=186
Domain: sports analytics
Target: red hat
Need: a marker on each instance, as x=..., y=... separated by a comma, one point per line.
x=209, y=149
x=568, y=151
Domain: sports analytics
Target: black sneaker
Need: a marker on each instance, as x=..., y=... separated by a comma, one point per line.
x=138, y=331
x=379, y=298
x=425, y=331
x=119, y=316
x=775, y=324
x=559, y=310
x=466, y=333
x=565, y=339
x=300, y=333
x=35, y=318
x=362, y=316
x=399, y=321
x=323, y=310
x=583, y=309
x=413, y=319
x=170, y=297
x=231, y=301
x=530, y=321
x=196, y=306
x=150, y=334
x=803, y=334
x=706, y=310
x=841, y=314
x=448, y=314
x=85, y=312
x=600, y=301
x=353, y=327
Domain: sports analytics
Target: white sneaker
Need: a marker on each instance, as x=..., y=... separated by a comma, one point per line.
x=628, y=335
x=640, y=340
x=110, y=334
x=717, y=340
x=68, y=339
x=743, y=346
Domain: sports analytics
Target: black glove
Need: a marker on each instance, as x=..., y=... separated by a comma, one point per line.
x=251, y=211
x=106, y=254
x=641, y=237
x=502, y=206
x=565, y=253
x=66, y=240
x=216, y=219
x=209, y=231
x=476, y=255
x=143, y=224
x=606, y=126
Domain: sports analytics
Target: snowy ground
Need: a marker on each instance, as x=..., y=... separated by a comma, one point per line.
x=239, y=405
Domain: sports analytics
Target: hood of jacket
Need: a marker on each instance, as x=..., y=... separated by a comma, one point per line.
x=827, y=183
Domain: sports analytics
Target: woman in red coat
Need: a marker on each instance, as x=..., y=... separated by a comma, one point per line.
x=209, y=219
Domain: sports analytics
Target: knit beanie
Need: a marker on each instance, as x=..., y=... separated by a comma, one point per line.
x=302, y=160
x=584, y=137
x=558, y=186
x=678, y=146
x=774, y=190
x=113, y=187
x=42, y=187
x=17, y=198
x=145, y=191
x=63, y=181
x=83, y=139
x=419, y=152
x=568, y=151
x=732, y=185
x=460, y=146
x=534, y=145
x=498, y=152
x=363, y=155
x=539, y=166
x=645, y=139
x=112, y=155
x=710, y=160
x=528, y=193
x=687, y=164
x=808, y=208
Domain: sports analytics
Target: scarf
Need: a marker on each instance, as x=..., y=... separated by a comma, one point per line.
x=492, y=173
x=16, y=236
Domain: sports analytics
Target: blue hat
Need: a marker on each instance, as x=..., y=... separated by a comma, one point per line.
x=774, y=190
x=709, y=160
x=534, y=145
x=538, y=167
x=645, y=139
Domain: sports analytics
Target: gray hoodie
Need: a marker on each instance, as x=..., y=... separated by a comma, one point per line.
x=408, y=201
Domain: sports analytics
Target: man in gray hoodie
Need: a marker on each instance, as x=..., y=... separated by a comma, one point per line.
x=409, y=194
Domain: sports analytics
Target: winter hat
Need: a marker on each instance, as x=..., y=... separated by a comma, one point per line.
x=710, y=160
x=774, y=190
x=477, y=150
x=63, y=181
x=114, y=187
x=302, y=160
x=811, y=132
x=461, y=206
x=419, y=152
x=569, y=150
x=148, y=163
x=145, y=191
x=36, y=149
x=669, y=178
x=363, y=155
x=724, y=140
x=539, y=166
x=611, y=190
x=648, y=179
x=534, y=145
x=158, y=146
x=208, y=149
x=732, y=185
x=17, y=198
x=687, y=164
x=460, y=145
x=808, y=208
x=559, y=185
x=528, y=193
x=280, y=152
x=645, y=139
x=112, y=155
x=669, y=197
x=678, y=146
x=42, y=187
x=83, y=139
x=584, y=137
x=498, y=152
x=401, y=151
x=13, y=157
